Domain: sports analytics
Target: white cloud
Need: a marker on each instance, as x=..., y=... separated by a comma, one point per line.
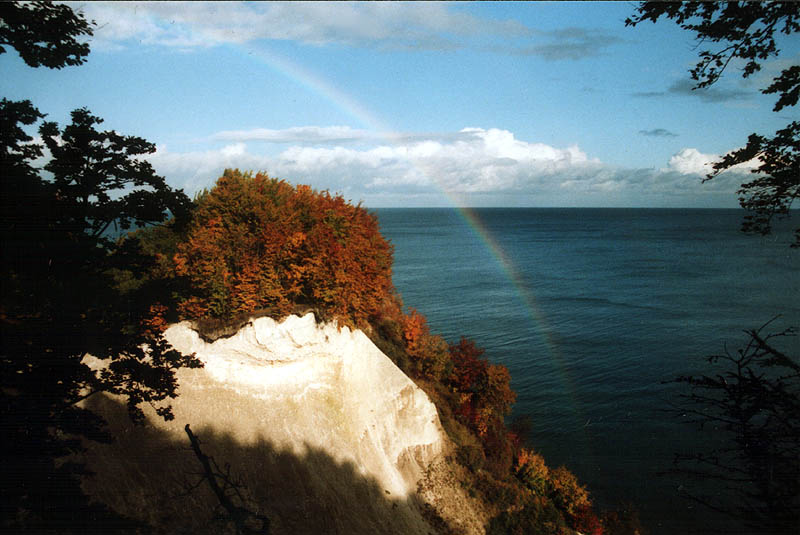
x=471, y=165
x=237, y=149
x=198, y=24
x=692, y=161
x=477, y=161
x=196, y=170
x=297, y=134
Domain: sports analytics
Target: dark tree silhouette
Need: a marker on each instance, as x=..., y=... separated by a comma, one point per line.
x=755, y=398
x=755, y=402
x=92, y=175
x=44, y=34
x=747, y=32
x=59, y=301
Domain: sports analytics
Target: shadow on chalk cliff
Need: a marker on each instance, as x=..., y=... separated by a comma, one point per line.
x=151, y=474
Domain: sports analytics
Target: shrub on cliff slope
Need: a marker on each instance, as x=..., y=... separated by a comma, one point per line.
x=256, y=242
x=485, y=394
x=427, y=352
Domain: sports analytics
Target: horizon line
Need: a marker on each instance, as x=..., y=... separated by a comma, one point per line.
x=558, y=208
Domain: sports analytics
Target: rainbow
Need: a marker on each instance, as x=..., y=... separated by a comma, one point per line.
x=337, y=98
x=367, y=119
x=535, y=315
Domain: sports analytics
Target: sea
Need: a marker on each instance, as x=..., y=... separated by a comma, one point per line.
x=594, y=311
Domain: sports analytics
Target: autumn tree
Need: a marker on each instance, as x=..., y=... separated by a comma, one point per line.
x=747, y=34
x=561, y=488
x=532, y=470
x=257, y=242
x=428, y=352
x=485, y=389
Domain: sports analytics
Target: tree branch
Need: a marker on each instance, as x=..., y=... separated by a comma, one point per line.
x=240, y=516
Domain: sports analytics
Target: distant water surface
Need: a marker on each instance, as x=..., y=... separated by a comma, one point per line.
x=608, y=304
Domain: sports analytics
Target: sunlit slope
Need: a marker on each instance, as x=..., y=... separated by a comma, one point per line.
x=325, y=432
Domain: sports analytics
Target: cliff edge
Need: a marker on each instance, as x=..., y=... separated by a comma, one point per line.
x=319, y=429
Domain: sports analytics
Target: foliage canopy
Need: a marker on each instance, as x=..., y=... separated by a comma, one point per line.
x=44, y=34
x=100, y=182
x=747, y=32
x=257, y=242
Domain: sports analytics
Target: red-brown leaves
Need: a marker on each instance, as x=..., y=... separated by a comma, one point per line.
x=469, y=368
x=260, y=243
x=156, y=323
x=485, y=389
x=428, y=352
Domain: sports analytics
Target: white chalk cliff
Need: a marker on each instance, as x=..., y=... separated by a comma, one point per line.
x=323, y=430
x=326, y=388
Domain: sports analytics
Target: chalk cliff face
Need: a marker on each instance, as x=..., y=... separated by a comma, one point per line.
x=323, y=430
x=325, y=388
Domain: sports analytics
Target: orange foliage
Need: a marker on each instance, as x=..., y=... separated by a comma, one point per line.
x=567, y=493
x=260, y=243
x=532, y=471
x=499, y=395
x=468, y=366
x=155, y=323
x=415, y=328
x=485, y=389
x=429, y=355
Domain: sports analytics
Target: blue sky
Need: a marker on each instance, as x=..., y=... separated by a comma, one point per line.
x=392, y=104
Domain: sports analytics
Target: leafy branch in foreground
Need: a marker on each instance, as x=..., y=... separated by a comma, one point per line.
x=771, y=194
x=754, y=400
x=747, y=32
x=44, y=34
x=58, y=302
x=102, y=183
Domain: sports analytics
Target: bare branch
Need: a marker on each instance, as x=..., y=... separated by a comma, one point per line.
x=221, y=485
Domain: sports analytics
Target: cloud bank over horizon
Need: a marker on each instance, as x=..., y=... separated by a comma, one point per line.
x=471, y=167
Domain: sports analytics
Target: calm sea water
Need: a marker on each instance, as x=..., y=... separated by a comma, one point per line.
x=608, y=304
